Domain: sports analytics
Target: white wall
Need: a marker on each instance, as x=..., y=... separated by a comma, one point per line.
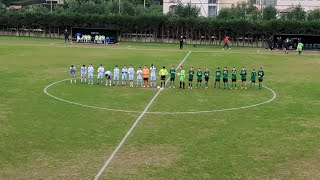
x=306, y=4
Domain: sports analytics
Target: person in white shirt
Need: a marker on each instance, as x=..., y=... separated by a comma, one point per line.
x=90, y=74
x=83, y=74
x=153, y=77
x=100, y=74
x=116, y=73
x=124, y=75
x=139, y=77
x=108, y=77
x=131, y=75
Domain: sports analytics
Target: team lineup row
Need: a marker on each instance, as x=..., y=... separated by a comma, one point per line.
x=143, y=75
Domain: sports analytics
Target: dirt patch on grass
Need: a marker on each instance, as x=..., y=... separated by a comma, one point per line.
x=63, y=165
x=142, y=163
x=297, y=169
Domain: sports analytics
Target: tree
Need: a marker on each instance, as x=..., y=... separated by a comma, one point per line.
x=240, y=11
x=186, y=11
x=314, y=14
x=269, y=13
x=296, y=13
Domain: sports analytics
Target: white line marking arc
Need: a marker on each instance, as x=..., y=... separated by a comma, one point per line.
x=133, y=126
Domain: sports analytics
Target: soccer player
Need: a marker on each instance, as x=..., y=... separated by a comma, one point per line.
x=182, y=77
x=218, y=77
x=199, y=77
x=83, y=74
x=243, y=74
x=66, y=36
x=100, y=74
x=163, y=72
x=131, y=75
x=226, y=43
x=145, y=74
x=153, y=76
x=181, y=42
x=225, y=78
x=116, y=74
x=234, y=78
x=206, y=77
x=191, y=74
x=108, y=77
x=299, y=47
x=90, y=74
x=172, y=76
x=73, y=74
x=253, y=78
x=260, y=77
x=124, y=72
x=139, y=77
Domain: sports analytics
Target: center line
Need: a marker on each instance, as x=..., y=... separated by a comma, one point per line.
x=133, y=126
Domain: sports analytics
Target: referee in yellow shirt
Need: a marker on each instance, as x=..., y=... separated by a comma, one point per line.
x=163, y=72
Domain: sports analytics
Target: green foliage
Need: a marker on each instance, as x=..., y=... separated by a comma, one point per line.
x=186, y=11
x=296, y=13
x=269, y=13
x=314, y=14
x=240, y=11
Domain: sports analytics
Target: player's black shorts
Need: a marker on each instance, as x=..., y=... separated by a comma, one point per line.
x=163, y=77
x=107, y=76
x=171, y=79
x=243, y=80
x=206, y=78
x=145, y=79
x=190, y=80
x=200, y=80
x=218, y=80
x=225, y=80
x=260, y=80
x=253, y=81
x=234, y=80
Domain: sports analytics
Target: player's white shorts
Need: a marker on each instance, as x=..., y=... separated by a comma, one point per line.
x=73, y=74
x=83, y=74
x=131, y=77
x=124, y=77
x=116, y=77
x=153, y=78
x=100, y=76
x=90, y=75
x=139, y=78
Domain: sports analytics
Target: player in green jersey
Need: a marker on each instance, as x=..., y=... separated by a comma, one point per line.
x=234, y=78
x=172, y=73
x=243, y=74
x=253, y=78
x=206, y=77
x=218, y=77
x=199, y=77
x=299, y=47
x=182, y=77
x=191, y=73
x=260, y=77
x=225, y=78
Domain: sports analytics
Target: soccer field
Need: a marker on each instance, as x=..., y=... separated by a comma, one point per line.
x=52, y=129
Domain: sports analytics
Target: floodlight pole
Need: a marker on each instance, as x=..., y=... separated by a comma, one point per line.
x=51, y=6
x=119, y=6
x=144, y=4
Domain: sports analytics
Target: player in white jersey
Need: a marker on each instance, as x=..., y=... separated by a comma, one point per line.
x=153, y=76
x=131, y=75
x=73, y=74
x=139, y=77
x=116, y=74
x=124, y=72
x=90, y=74
x=100, y=74
x=108, y=77
x=83, y=74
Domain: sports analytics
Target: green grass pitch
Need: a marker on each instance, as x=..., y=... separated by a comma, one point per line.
x=46, y=138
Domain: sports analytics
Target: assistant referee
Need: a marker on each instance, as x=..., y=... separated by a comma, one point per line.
x=163, y=72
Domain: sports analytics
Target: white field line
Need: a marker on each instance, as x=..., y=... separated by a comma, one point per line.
x=132, y=127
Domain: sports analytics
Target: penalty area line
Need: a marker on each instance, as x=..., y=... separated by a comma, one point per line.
x=105, y=165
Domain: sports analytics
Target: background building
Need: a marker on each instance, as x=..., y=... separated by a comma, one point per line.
x=210, y=8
